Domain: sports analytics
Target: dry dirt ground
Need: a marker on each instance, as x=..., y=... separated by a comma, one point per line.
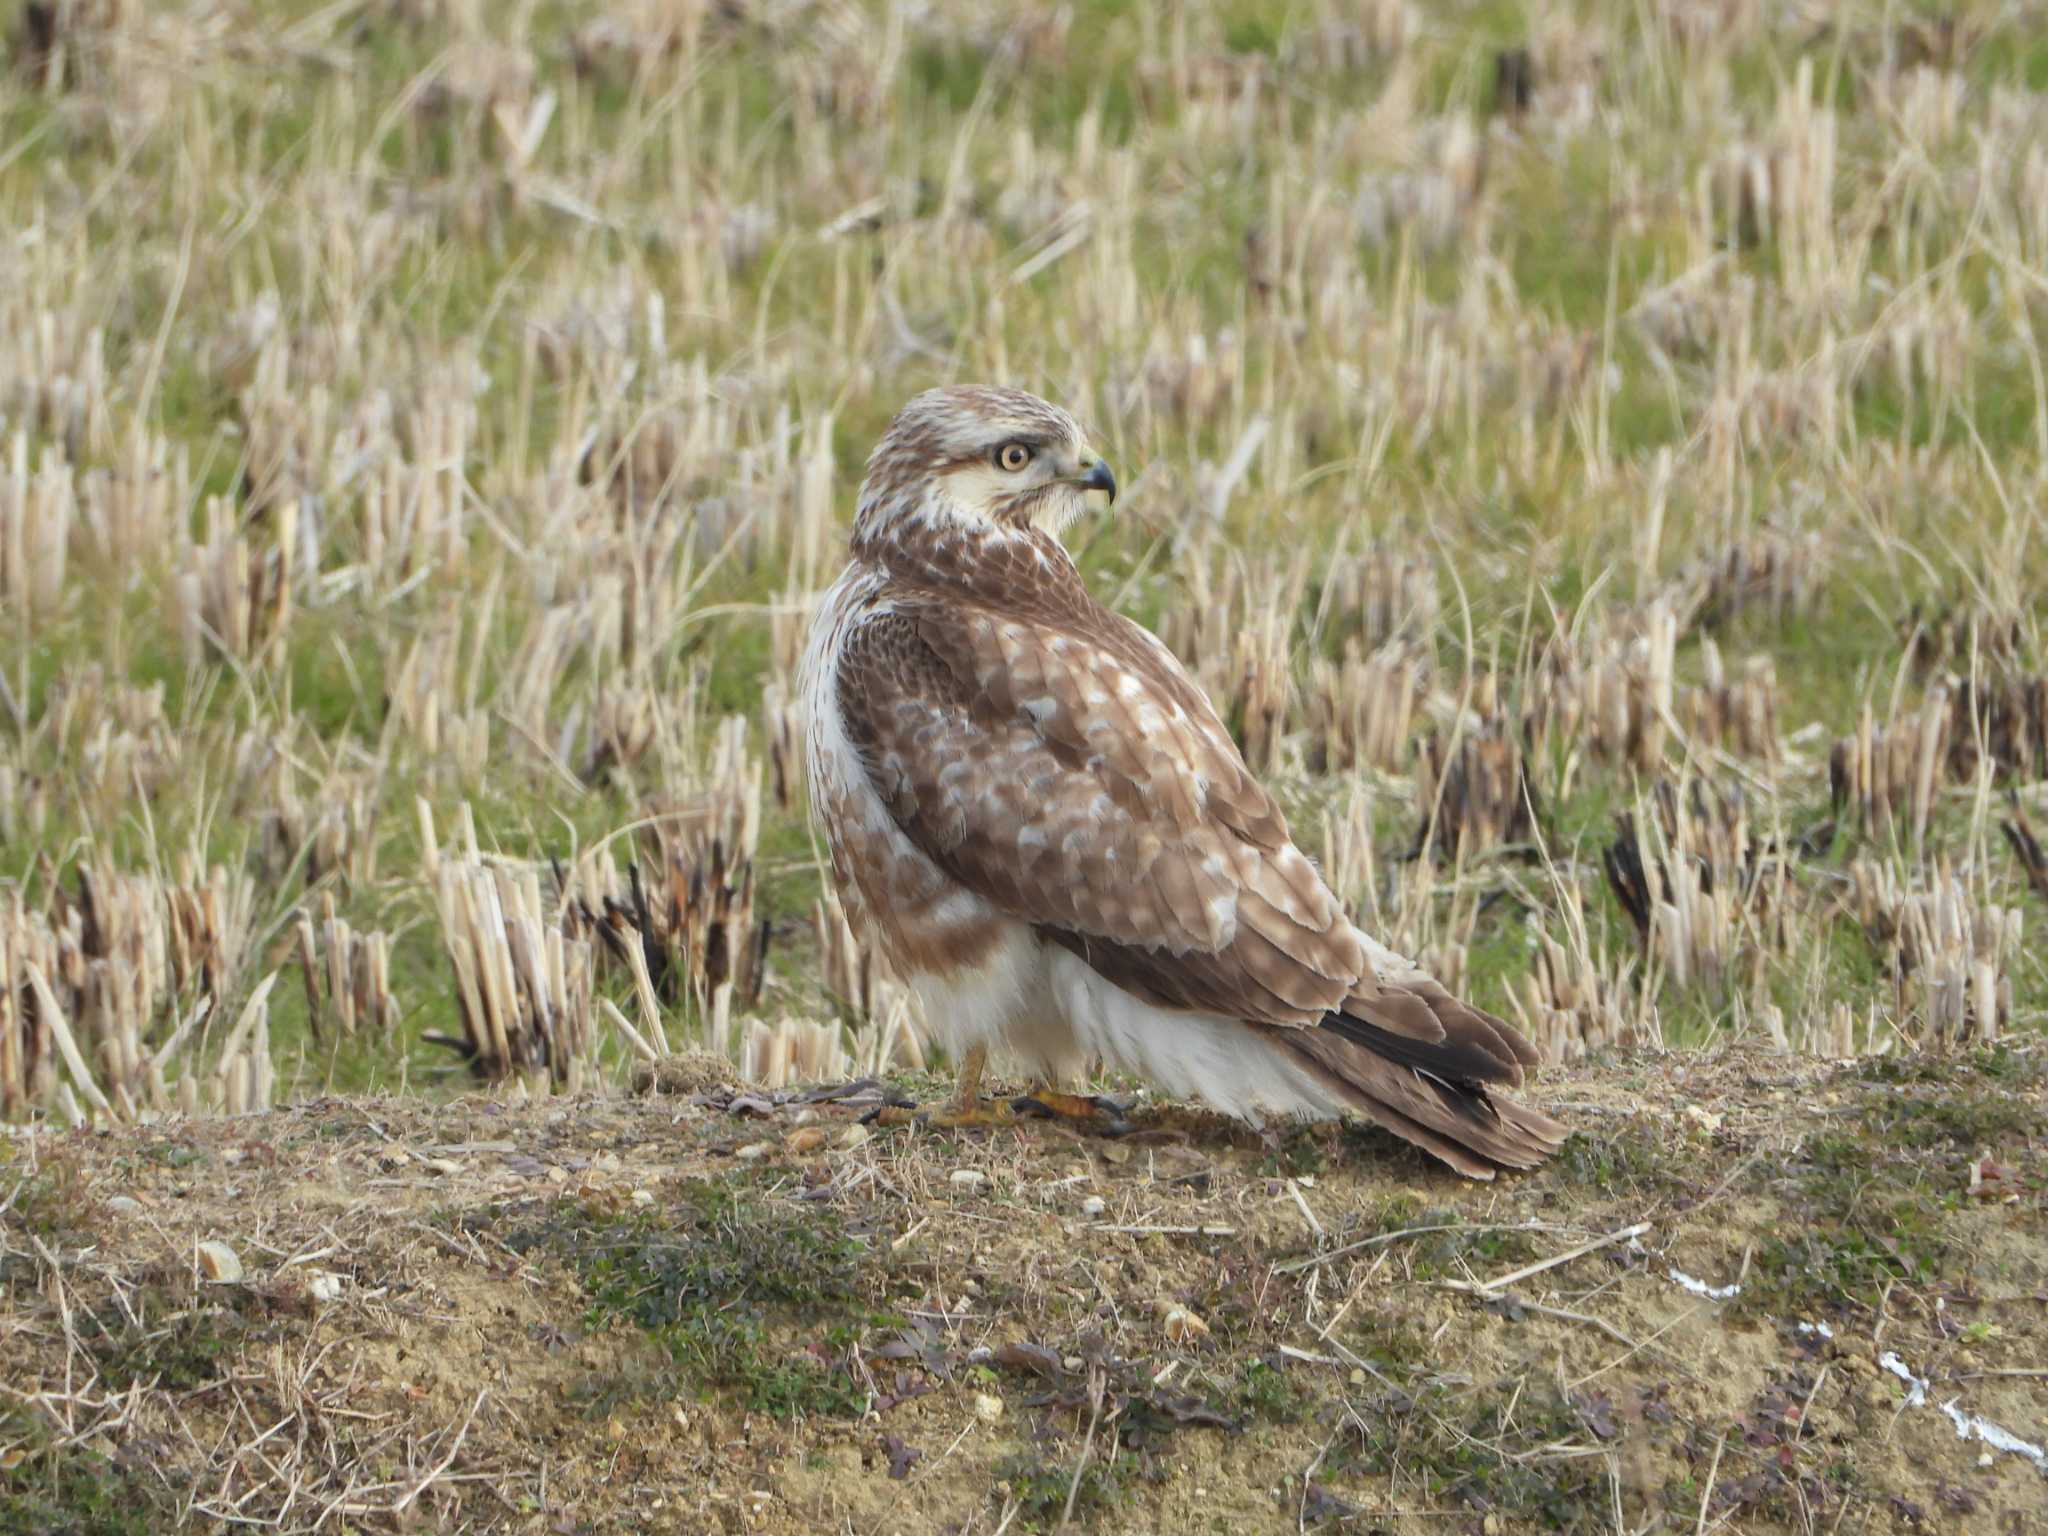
x=696, y=1311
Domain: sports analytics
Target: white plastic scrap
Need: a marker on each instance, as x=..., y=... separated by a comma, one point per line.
x=1696, y=1286
x=1701, y=1288
x=1969, y=1426
x=1916, y=1389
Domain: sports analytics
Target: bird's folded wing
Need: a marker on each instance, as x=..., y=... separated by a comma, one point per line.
x=1063, y=768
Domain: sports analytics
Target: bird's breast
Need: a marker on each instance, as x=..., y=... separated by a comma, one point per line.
x=924, y=921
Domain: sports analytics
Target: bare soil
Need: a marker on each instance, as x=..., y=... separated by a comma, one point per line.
x=707, y=1313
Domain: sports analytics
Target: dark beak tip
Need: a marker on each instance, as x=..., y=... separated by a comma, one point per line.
x=1100, y=478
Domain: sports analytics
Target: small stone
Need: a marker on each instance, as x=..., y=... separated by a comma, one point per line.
x=1092, y=1206
x=968, y=1178
x=853, y=1136
x=1357, y=1377
x=1180, y=1325
x=219, y=1263
x=643, y=1197
x=1490, y=1526
x=557, y=1174
x=987, y=1408
x=443, y=1165
x=805, y=1139
x=124, y=1205
x=805, y=1116
x=325, y=1285
x=753, y=1152
x=1073, y=1363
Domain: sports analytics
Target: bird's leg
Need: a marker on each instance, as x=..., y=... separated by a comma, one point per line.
x=966, y=1109
x=967, y=1091
x=1094, y=1111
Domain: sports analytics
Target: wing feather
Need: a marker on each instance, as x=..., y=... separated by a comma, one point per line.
x=1070, y=774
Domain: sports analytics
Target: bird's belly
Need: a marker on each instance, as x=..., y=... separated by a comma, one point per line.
x=1227, y=1064
x=1002, y=1002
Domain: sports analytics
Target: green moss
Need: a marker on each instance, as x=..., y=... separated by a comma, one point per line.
x=51, y=1202
x=1637, y=1159
x=1503, y=1446
x=1267, y=1391
x=76, y=1491
x=188, y=1349
x=750, y=1298
x=1860, y=1214
x=1041, y=1487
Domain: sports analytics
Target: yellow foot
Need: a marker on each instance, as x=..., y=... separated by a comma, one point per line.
x=951, y=1116
x=1104, y=1116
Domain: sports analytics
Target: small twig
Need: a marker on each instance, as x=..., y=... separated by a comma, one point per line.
x=1306, y=1358
x=1806, y=1408
x=1633, y=1349
x=1087, y=1449
x=2030, y=1370
x=1707, y=1493
x=445, y=1462
x=1564, y=1258
x=1562, y=1313
x=1307, y=1215
x=1379, y=1239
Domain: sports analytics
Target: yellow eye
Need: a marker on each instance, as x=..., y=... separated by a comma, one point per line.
x=1012, y=457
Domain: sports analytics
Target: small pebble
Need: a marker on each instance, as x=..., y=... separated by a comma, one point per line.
x=324, y=1285
x=643, y=1197
x=968, y=1178
x=1180, y=1325
x=219, y=1263
x=1092, y=1206
x=853, y=1136
x=124, y=1205
x=806, y=1139
x=987, y=1408
x=754, y=1151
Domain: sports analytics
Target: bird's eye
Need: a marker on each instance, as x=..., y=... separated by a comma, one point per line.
x=1012, y=457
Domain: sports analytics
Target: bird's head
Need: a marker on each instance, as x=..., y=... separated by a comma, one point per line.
x=976, y=458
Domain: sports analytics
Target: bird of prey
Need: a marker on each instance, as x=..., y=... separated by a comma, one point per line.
x=1040, y=819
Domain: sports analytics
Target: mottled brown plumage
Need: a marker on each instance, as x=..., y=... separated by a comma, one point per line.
x=1008, y=773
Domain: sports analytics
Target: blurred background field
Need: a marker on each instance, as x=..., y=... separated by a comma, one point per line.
x=1594, y=455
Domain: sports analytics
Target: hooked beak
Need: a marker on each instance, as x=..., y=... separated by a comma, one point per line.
x=1097, y=477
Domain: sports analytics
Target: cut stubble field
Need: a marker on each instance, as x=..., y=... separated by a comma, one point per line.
x=1594, y=457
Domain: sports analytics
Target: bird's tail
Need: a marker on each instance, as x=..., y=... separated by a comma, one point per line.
x=1438, y=1093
